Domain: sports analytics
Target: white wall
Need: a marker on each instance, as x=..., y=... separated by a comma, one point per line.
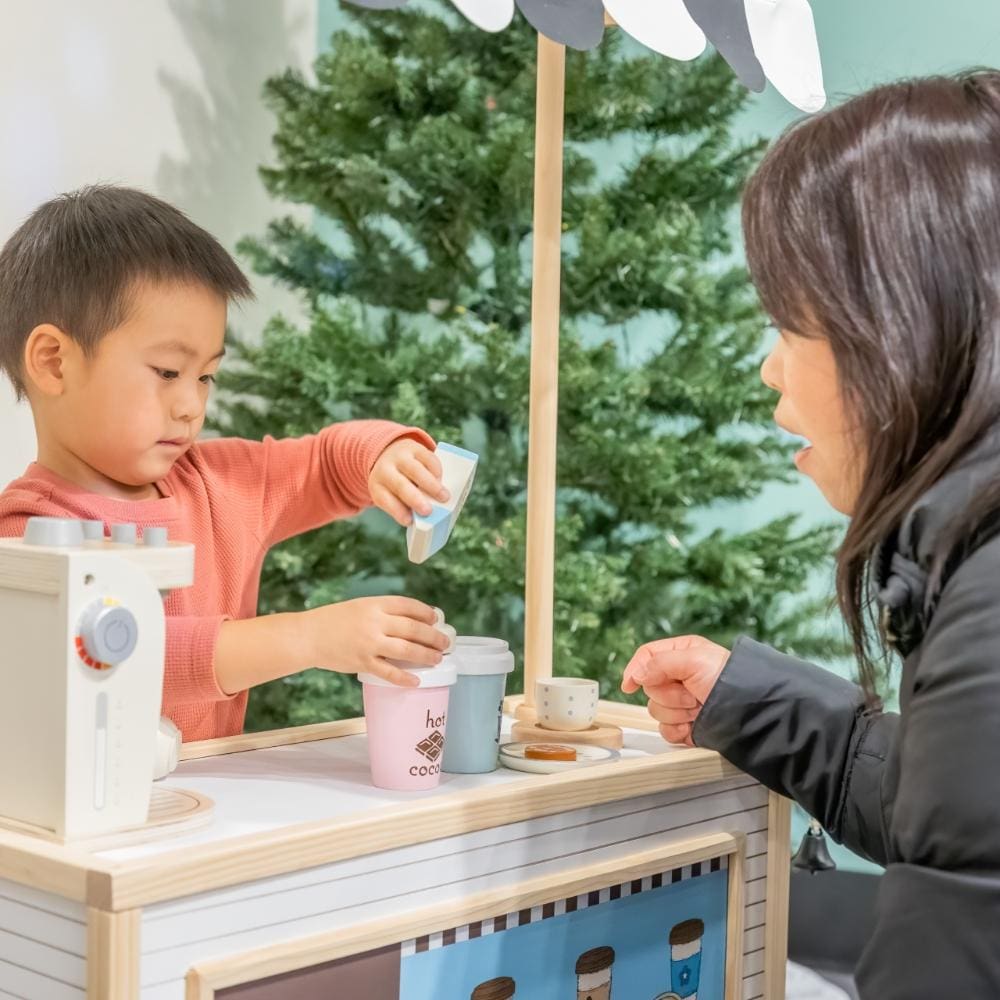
x=160, y=94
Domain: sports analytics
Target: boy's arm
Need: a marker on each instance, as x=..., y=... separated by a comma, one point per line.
x=190, y=660
x=303, y=483
x=213, y=658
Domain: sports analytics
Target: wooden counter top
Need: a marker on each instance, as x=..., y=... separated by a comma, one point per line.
x=306, y=800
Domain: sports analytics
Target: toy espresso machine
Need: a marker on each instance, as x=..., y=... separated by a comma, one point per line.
x=83, y=632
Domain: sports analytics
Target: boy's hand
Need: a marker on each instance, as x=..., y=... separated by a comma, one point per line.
x=361, y=636
x=404, y=477
x=677, y=675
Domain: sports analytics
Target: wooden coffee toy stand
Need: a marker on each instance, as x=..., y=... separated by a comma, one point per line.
x=307, y=882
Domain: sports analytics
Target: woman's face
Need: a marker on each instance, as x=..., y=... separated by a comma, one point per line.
x=802, y=370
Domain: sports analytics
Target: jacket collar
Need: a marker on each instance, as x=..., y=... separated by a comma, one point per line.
x=902, y=563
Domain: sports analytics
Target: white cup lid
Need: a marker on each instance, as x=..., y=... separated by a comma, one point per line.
x=443, y=675
x=477, y=655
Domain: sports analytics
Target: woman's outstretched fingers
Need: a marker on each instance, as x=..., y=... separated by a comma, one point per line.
x=677, y=675
x=672, y=694
x=635, y=670
x=680, y=735
x=697, y=668
x=672, y=716
x=635, y=673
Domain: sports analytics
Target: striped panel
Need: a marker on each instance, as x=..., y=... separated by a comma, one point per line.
x=559, y=908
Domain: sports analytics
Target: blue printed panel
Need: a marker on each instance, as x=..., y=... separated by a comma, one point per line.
x=663, y=942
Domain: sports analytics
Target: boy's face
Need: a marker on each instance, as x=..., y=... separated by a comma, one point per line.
x=134, y=407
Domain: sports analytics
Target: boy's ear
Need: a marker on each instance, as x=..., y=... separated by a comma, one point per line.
x=45, y=353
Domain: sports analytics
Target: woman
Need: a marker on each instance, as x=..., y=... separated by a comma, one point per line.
x=873, y=237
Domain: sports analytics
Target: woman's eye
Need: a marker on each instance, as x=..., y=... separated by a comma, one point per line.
x=207, y=380
x=166, y=373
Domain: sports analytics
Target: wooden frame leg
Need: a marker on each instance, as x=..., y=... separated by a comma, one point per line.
x=113, y=951
x=779, y=864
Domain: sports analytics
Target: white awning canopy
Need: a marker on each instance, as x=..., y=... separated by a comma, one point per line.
x=760, y=39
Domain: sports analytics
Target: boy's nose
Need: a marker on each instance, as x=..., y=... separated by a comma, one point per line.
x=187, y=405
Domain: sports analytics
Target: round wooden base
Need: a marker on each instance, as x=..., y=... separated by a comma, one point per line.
x=172, y=811
x=597, y=735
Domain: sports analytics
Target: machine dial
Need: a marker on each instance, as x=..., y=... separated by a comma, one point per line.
x=108, y=634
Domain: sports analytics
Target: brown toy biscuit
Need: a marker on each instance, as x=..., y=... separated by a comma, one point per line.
x=549, y=751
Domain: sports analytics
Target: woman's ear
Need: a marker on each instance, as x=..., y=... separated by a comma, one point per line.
x=46, y=352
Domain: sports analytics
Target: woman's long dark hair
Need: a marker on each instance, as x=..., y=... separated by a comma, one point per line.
x=877, y=226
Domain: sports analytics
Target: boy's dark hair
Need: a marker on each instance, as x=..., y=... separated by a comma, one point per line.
x=75, y=262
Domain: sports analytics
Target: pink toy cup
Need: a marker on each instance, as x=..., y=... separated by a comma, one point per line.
x=406, y=727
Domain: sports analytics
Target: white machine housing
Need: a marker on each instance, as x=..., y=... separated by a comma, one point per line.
x=83, y=632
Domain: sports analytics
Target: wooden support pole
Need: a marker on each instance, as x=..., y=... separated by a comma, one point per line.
x=544, y=392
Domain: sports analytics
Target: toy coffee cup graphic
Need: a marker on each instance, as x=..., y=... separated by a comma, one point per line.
x=593, y=974
x=685, y=960
x=502, y=988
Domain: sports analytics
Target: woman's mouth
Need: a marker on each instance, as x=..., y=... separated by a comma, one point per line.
x=802, y=454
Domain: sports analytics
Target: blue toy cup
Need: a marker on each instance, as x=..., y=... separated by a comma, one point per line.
x=475, y=709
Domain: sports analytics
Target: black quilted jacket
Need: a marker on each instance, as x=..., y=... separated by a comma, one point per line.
x=918, y=791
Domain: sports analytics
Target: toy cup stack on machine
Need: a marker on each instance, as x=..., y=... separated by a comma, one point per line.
x=84, y=635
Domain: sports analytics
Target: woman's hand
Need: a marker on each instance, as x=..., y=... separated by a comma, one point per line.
x=405, y=478
x=677, y=676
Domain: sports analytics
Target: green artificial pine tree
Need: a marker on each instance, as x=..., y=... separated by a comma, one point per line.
x=415, y=147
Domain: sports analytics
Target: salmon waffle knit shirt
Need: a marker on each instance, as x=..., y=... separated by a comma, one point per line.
x=233, y=499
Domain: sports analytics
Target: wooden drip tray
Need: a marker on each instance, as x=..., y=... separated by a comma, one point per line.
x=172, y=811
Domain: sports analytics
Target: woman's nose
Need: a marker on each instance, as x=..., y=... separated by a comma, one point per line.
x=770, y=370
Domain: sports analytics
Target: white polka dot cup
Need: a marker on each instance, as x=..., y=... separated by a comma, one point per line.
x=566, y=704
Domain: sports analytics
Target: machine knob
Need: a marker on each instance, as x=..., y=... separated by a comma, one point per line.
x=108, y=634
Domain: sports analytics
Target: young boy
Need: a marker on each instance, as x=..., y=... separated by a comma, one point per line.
x=112, y=322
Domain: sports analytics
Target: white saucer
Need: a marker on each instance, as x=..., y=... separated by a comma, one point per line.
x=512, y=756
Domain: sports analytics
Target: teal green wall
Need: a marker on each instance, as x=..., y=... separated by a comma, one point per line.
x=862, y=43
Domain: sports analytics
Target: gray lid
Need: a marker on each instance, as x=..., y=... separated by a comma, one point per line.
x=123, y=534
x=60, y=532
x=477, y=655
x=93, y=531
x=155, y=537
